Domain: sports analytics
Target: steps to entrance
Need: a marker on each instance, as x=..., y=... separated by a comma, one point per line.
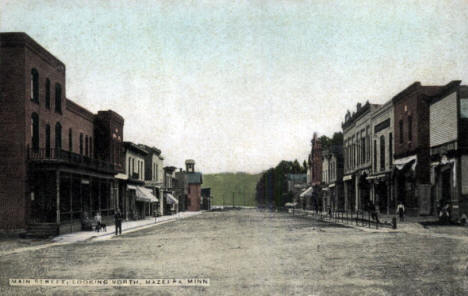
x=42, y=230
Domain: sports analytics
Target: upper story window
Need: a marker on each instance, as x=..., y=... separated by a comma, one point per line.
x=81, y=144
x=34, y=86
x=410, y=128
x=47, y=93
x=401, y=130
x=47, y=143
x=58, y=136
x=390, y=149
x=382, y=152
x=58, y=98
x=35, y=132
x=91, y=147
x=86, y=146
x=375, y=155
x=70, y=140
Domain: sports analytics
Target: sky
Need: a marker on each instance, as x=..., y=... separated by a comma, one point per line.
x=240, y=85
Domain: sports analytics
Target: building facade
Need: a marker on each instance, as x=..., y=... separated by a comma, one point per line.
x=53, y=171
x=315, y=160
x=357, y=156
x=382, y=148
x=411, y=157
x=194, y=182
x=448, y=124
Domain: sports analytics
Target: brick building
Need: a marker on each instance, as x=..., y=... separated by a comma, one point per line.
x=194, y=181
x=411, y=156
x=315, y=161
x=448, y=123
x=55, y=163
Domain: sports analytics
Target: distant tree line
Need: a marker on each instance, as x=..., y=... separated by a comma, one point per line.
x=272, y=188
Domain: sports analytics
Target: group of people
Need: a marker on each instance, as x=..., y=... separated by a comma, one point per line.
x=87, y=223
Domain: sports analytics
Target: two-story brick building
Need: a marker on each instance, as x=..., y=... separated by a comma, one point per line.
x=411, y=157
x=53, y=168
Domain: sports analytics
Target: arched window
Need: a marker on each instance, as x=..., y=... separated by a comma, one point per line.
x=382, y=152
x=70, y=140
x=58, y=137
x=47, y=93
x=35, y=132
x=86, y=146
x=58, y=98
x=81, y=144
x=34, y=86
x=47, y=143
x=91, y=147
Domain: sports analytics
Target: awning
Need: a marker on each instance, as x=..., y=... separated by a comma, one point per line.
x=131, y=187
x=290, y=204
x=376, y=177
x=307, y=192
x=401, y=162
x=121, y=176
x=145, y=195
x=325, y=189
x=348, y=177
x=170, y=199
x=331, y=185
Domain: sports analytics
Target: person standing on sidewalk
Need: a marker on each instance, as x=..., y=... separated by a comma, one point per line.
x=401, y=211
x=118, y=222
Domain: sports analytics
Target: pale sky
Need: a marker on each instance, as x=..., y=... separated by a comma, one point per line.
x=241, y=85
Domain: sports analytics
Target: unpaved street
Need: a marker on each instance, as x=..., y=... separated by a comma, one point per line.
x=248, y=252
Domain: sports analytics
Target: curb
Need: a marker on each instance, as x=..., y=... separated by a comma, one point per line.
x=106, y=236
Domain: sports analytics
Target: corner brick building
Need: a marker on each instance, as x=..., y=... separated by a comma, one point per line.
x=57, y=159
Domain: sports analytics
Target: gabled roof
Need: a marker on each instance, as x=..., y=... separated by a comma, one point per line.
x=194, y=178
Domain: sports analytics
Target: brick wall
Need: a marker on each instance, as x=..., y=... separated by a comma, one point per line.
x=194, y=197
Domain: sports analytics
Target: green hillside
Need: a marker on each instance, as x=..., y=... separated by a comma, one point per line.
x=223, y=185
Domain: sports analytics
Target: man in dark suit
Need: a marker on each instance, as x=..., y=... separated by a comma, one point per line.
x=118, y=222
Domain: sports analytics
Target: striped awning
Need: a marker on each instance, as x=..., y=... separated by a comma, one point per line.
x=145, y=195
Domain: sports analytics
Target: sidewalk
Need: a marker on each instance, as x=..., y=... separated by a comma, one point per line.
x=127, y=227
x=411, y=225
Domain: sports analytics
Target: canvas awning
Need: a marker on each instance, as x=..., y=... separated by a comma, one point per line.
x=401, y=162
x=348, y=177
x=290, y=204
x=307, y=192
x=331, y=185
x=121, y=176
x=170, y=199
x=145, y=195
x=376, y=177
x=131, y=187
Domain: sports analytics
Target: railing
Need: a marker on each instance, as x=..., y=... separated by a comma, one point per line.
x=358, y=218
x=57, y=154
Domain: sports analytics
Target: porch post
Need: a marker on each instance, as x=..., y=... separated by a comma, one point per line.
x=389, y=192
x=57, y=190
x=99, y=194
x=71, y=201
